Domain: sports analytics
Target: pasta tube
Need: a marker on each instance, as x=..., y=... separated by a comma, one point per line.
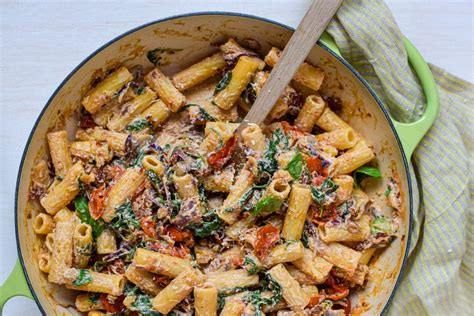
x=115, y=140
x=352, y=159
x=314, y=266
x=287, y=252
x=312, y=109
x=177, y=290
x=61, y=258
x=217, y=133
x=231, y=279
x=299, y=201
x=123, y=189
x=92, y=150
x=160, y=263
x=143, y=279
x=307, y=75
x=130, y=109
x=43, y=224
x=254, y=139
x=239, y=79
x=231, y=48
x=292, y=292
x=199, y=72
x=152, y=163
x=112, y=284
x=44, y=261
x=63, y=193
x=59, y=151
x=155, y=114
x=341, y=232
x=82, y=238
x=106, y=243
x=106, y=89
x=88, y=302
x=341, y=138
x=230, y=210
x=341, y=256
x=167, y=92
x=205, y=301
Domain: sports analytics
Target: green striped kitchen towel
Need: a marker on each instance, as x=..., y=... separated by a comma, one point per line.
x=439, y=277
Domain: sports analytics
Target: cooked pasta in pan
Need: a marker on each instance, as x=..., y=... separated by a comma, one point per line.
x=154, y=206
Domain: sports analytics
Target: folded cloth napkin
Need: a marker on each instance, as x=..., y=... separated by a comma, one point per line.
x=439, y=276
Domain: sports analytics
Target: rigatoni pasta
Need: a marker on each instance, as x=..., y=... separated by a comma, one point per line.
x=59, y=150
x=165, y=89
x=199, y=72
x=106, y=89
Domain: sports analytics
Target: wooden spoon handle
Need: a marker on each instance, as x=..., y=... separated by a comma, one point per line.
x=297, y=49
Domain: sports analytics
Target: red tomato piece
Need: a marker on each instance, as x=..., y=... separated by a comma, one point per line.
x=149, y=226
x=115, y=307
x=97, y=202
x=267, y=236
x=178, y=235
x=181, y=251
x=314, y=164
x=321, y=217
x=289, y=129
x=220, y=157
x=318, y=180
x=340, y=289
x=314, y=300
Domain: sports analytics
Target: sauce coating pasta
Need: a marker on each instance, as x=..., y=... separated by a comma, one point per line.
x=149, y=212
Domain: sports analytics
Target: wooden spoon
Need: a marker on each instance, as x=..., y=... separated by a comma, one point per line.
x=309, y=30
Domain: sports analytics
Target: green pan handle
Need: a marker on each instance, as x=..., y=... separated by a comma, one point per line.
x=410, y=134
x=15, y=285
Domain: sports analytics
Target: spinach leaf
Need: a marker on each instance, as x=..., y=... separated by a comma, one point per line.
x=249, y=94
x=154, y=54
x=223, y=83
x=366, y=171
x=387, y=192
x=269, y=163
x=304, y=240
x=381, y=224
x=267, y=204
x=256, y=299
x=319, y=194
x=295, y=166
x=124, y=217
x=140, y=90
x=94, y=298
x=251, y=266
x=137, y=162
x=202, y=195
x=154, y=179
x=209, y=226
x=143, y=306
x=137, y=125
x=84, y=277
x=82, y=210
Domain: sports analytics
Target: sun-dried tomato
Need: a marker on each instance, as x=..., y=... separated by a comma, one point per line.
x=219, y=158
x=97, y=202
x=267, y=236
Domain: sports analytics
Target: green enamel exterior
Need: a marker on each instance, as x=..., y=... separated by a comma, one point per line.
x=410, y=135
x=15, y=285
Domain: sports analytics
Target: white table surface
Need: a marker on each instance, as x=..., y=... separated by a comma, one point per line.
x=42, y=41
